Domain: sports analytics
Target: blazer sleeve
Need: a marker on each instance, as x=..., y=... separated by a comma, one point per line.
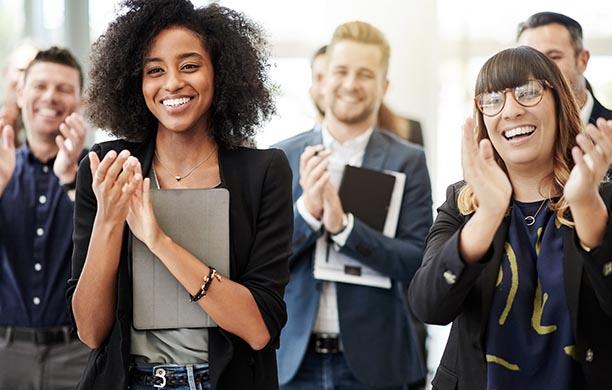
x=598, y=262
x=398, y=257
x=304, y=237
x=441, y=285
x=267, y=272
x=85, y=207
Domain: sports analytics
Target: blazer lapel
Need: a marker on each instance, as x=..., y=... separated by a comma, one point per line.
x=572, y=270
x=489, y=274
x=376, y=151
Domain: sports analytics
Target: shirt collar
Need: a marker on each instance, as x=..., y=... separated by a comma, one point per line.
x=587, y=109
x=358, y=143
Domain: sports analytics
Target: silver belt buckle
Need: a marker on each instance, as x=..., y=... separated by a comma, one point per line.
x=160, y=373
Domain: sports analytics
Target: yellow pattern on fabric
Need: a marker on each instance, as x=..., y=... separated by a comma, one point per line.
x=557, y=223
x=538, y=241
x=500, y=277
x=570, y=351
x=539, y=300
x=502, y=362
x=513, y=284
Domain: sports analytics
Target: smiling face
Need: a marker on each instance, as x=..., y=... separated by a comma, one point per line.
x=50, y=93
x=178, y=80
x=524, y=137
x=355, y=82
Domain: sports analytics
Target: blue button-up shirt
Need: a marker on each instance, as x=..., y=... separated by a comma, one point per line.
x=35, y=245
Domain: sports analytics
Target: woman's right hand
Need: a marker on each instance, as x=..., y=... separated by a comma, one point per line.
x=114, y=180
x=492, y=189
x=480, y=170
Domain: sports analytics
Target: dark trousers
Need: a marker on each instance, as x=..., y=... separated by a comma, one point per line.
x=25, y=365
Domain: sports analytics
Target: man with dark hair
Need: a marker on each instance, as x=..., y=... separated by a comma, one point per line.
x=560, y=38
x=38, y=349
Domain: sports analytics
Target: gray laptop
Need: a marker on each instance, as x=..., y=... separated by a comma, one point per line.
x=198, y=220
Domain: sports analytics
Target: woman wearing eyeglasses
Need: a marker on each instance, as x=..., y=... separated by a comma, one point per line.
x=520, y=256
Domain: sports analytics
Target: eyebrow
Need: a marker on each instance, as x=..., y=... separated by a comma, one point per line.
x=180, y=57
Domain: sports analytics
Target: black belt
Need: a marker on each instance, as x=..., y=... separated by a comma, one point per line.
x=325, y=343
x=164, y=378
x=39, y=336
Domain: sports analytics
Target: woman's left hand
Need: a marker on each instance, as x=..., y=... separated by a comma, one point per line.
x=141, y=217
x=592, y=158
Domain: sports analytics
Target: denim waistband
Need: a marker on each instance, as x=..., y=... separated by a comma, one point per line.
x=168, y=375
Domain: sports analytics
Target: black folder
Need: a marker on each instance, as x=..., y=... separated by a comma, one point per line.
x=366, y=193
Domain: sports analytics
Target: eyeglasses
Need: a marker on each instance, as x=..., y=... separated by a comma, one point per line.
x=527, y=95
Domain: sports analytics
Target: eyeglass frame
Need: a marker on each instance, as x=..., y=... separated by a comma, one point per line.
x=543, y=83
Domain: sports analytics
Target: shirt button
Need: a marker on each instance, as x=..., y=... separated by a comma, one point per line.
x=45, y=169
x=37, y=267
x=42, y=199
x=607, y=269
x=40, y=232
x=450, y=277
x=36, y=300
x=589, y=355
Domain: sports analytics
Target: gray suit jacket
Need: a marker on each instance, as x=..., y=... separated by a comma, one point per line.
x=376, y=333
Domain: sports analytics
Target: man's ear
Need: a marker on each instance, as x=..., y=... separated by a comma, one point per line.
x=386, y=86
x=582, y=60
x=19, y=92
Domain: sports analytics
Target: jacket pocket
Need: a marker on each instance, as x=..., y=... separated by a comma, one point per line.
x=444, y=379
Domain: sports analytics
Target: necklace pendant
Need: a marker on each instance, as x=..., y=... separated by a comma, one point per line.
x=178, y=178
x=529, y=220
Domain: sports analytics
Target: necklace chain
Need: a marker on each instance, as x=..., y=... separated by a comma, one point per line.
x=530, y=219
x=189, y=172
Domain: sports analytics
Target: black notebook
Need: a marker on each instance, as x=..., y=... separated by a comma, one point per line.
x=367, y=194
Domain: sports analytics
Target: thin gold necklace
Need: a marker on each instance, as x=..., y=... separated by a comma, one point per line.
x=181, y=177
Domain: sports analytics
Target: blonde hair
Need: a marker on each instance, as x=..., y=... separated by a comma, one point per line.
x=362, y=32
x=510, y=68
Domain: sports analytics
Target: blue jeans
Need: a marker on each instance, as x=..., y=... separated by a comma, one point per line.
x=327, y=372
x=187, y=372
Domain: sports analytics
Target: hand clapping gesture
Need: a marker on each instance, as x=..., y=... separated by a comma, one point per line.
x=141, y=218
x=70, y=144
x=313, y=178
x=480, y=170
x=592, y=158
x=114, y=180
x=7, y=156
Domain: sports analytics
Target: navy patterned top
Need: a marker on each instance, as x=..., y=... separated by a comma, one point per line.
x=529, y=340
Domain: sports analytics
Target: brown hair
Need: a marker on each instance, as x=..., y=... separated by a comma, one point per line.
x=513, y=67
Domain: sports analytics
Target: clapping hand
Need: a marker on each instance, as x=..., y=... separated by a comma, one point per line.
x=141, y=218
x=592, y=157
x=114, y=180
x=70, y=144
x=7, y=156
x=480, y=170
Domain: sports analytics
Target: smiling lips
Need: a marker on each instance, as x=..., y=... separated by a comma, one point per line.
x=48, y=112
x=177, y=102
x=518, y=132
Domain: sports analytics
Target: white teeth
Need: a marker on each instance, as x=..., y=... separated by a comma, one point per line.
x=519, y=131
x=47, y=112
x=175, y=102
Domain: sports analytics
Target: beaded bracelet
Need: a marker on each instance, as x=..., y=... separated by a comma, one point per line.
x=212, y=274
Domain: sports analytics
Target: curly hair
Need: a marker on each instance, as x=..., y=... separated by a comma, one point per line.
x=239, y=53
x=513, y=67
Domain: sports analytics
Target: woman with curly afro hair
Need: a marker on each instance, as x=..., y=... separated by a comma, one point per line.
x=183, y=88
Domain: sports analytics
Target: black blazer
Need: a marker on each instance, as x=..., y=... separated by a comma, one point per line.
x=445, y=289
x=599, y=111
x=261, y=224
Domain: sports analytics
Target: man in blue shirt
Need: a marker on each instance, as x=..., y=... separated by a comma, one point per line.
x=37, y=181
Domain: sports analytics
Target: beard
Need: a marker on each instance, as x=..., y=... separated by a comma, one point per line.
x=351, y=117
